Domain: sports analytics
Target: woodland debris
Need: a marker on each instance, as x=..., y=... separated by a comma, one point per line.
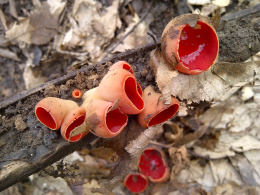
x=20, y=125
x=91, y=30
x=223, y=78
x=40, y=27
x=136, y=147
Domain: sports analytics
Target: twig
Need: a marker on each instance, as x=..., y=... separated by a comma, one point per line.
x=72, y=74
x=242, y=13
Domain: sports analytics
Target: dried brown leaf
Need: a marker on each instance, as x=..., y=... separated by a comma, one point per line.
x=179, y=158
x=137, y=38
x=245, y=170
x=214, y=173
x=6, y=53
x=91, y=30
x=39, y=28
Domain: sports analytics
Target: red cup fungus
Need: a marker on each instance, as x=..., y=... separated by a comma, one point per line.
x=153, y=165
x=155, y=111
x=73, y=127
x=124, y=65
x=76, y=93
x=120, y=86
x=103, y=118
x=190, y=43
x=51, y=111
x=136, y=182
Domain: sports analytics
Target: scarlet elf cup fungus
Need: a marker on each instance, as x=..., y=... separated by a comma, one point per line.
x=153, y=165
x=104, y=119
x=51, y=111
x=124, y=65
x=73, y=127
x=135, y=182
x=121, y=86
x=155, y=111
x=76, y=93
x=190, y=43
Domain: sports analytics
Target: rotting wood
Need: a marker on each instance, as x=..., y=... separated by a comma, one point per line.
x=63, y=148
x=72, y=74
x=24, y=169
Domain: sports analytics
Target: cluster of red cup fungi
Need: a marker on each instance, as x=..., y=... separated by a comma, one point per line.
x=189, y=45
x=152, y=166
x=105, y=109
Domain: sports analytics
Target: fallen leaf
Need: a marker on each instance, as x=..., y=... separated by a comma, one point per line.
x=179, y=158
x=212, y=174
x=87, y=188
x=49, y=183
x=254, y=158
x=221, y=3
x=6, y=53
x=245, y=143
x=39, y=28
x=245, y=170
x=31, y=78
x=137, y=38
x=91, y=30
x=233, y=188
x=217, y=84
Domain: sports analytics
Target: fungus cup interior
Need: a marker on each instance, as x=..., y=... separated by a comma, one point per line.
x=164, y=115
x=77, y=122
x=139, y=89
x=136, y=183
x=151, y=164
x=198, y=46
x=132, y=92
x=128, y=68
x=76, y=93
x=115, y=119
x=45, y=117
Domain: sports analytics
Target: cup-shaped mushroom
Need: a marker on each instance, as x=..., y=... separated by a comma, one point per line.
x=76, y=93
x=136, y=182
x=152, y=164
x=121, y=86
x=73, y=127
x=124, y=65
x=103, y=118
x=155, y=110
x=190, y=43
x=51, y=111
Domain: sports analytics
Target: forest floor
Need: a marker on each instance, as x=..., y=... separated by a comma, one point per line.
x=212, y=146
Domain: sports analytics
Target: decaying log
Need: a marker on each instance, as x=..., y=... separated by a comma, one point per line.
x=27, y=151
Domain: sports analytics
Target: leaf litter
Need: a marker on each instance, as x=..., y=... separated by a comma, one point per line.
x=234, y=112
x=91, y=28
x=40, y=27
